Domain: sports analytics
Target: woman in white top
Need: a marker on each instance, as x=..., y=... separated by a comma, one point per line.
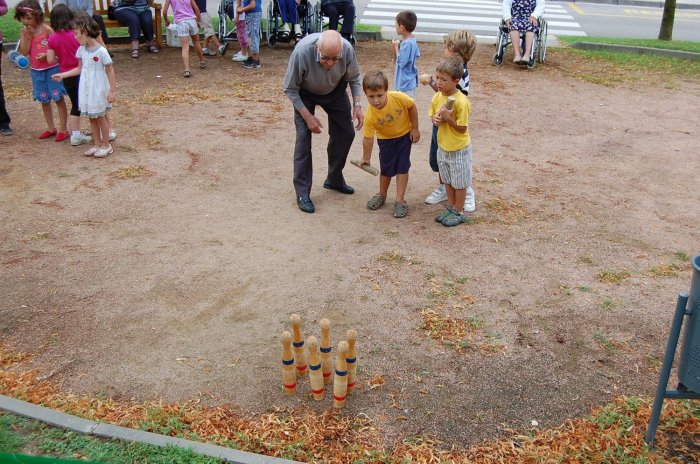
x=521, y=16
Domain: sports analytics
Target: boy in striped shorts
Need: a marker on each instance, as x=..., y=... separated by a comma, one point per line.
x=454, y=153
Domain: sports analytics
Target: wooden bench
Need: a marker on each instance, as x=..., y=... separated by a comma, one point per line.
x=101, y=8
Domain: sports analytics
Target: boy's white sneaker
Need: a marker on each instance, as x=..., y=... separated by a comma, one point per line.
x=239, y=57
x=102, y=152
x=469, y=201
x=222, y=48
x=438, y=195
x=112, y=135
x=79, y=139
x=207, y=52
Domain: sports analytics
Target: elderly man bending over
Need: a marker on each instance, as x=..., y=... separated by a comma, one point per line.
x=319, y=71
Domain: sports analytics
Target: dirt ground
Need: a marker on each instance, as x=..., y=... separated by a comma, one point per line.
x=170, y=268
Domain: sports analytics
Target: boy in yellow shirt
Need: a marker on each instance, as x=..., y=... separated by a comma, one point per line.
x=454, y=153
x=393, y=118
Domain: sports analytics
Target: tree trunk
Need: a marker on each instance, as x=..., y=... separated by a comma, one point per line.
x=666, y=30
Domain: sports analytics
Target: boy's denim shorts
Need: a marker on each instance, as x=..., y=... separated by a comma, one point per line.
x=252, y=28
x=395, y=155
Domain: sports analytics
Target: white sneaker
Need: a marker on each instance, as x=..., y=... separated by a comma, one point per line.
x=79, y=139
x=222, y=48
x=469, y=201
x=91, y=151
x=102, y=152
x=239, y=57
x=207, y=52
x=438, y=195
x=112, y=135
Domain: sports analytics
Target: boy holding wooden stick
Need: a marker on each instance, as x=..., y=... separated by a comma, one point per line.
x=393, y=118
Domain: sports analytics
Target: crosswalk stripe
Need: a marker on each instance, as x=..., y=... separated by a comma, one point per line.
x=441, y=26
x=479, y=16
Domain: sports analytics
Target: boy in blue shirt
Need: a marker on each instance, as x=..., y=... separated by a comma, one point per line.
x=406, y=53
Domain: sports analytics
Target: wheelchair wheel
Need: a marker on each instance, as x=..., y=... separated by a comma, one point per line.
x=542, y=42
x=500, y=46
x=531, y=62
x=222, y=22
x=271, y=26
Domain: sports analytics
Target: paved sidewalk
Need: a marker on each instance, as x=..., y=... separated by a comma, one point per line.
x=680, y=4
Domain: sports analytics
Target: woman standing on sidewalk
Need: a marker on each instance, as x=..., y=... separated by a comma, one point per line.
x=4, y=117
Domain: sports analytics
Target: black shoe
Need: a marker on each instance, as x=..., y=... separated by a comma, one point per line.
x=6, y=131
x=346, y=189
x=305, y=204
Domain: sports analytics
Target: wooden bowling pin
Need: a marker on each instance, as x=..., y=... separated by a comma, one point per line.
x=351, y=359
x=289, y=376
x=340, y=383
x=326, y=356
x=315, y=373
x=298, y=342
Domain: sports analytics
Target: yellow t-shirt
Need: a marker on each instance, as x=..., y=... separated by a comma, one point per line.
x=449, y=139
x=390, y=122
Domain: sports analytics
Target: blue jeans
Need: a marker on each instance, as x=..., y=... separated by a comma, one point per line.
x=136, y=22
x=334, y=11
x=4, y=116
x=252, y=28
x=432, y=157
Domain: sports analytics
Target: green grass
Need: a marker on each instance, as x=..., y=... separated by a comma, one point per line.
x=19, y=435
x=10, y=26
x=682, y=45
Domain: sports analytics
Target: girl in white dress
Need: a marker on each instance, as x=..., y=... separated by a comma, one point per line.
x=98, y=83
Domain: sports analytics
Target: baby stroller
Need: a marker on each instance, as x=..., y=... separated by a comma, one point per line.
x=227, y=30
x=275, y=31
x=323, y=23
x=539, y=44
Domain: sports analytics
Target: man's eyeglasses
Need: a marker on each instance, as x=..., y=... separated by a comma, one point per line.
x=333, y=59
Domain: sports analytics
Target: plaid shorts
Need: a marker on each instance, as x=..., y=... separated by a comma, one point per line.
x=186, y=28
x=456, y=167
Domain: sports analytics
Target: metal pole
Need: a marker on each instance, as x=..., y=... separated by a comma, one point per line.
x=666, y=367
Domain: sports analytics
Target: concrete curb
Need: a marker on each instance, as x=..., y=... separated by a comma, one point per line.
x=98, y=429
x=638, y=50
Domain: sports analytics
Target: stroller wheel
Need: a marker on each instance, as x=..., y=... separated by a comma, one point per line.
x=497, y=59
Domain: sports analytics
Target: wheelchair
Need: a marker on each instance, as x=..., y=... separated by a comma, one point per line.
x=307, y=22
x=323, y=23
x=539, y=44
x=227, y=30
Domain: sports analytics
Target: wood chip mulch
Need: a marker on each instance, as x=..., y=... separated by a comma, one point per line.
x=611, y=433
